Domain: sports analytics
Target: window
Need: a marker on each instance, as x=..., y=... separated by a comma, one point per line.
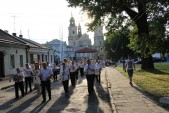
x=73, y=32
x=21, y=60
x=12, y=61
x=100, y=43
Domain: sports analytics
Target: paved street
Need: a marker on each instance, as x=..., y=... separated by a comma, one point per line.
x=124, y=98
x=78, y=102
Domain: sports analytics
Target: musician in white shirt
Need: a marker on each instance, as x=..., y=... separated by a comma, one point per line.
x=18, y=78
x=27, y=72
x=98, y=68
x=64, y=74
x=81, y=65
x=89, y=69
x=45, y=76
x=73, y=69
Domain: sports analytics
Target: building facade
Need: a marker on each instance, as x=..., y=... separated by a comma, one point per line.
x=79, y=41
x=16, y=51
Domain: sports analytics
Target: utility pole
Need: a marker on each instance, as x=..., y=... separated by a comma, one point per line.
x=14, y=22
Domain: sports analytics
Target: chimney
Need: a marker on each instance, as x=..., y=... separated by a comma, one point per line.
x=20, y=36
x=14, y=34
x=6, y=31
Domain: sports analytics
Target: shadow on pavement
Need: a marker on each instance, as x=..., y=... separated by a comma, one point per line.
x=93, y=104
x=24, y=105
x=38, y=108
x=102, y=94
x=8, y=104
x=80, y=79
x=61, y=103
x=151, y=98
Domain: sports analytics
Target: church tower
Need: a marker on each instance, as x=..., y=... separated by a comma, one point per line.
x=99, y=42
x=73, y=36
x=79, y=31
x=99, y=38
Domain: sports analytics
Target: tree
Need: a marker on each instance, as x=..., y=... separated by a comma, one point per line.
x=115, y=13
x=114, y=43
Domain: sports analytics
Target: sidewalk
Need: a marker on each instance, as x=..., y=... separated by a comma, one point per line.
x=129, y=99
x=4, y=84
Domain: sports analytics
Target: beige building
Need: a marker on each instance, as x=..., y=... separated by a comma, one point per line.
x=79, y=41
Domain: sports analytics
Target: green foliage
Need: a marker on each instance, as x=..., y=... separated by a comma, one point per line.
x=114, y=43
x=150, y=17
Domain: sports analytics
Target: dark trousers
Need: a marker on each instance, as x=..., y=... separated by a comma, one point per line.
x=19, y=85
x=76, y=74
x=98, y=78
x=65, y=85
x=72, y=78
x=46, y=85
x=28, y=80
x=55, y=75
x=90, y=83
x=81, y=71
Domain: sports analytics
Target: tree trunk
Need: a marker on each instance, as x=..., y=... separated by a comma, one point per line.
x=140, y=19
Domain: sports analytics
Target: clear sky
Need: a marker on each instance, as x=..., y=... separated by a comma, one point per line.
x=44, y=19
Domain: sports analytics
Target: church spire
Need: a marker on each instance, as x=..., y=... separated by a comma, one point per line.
x=79, y=31
x=72, y=20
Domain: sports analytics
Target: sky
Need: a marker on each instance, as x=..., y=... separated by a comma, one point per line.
x=40, y=20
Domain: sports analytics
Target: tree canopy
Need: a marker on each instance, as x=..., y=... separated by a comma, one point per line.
x=148, y=18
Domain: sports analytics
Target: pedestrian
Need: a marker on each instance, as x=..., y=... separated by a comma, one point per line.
x=98, y=68
x=18, y=79
x=55, y=72
x=81, y=66
x=36, y=78
x=73, y=73
x=27, y=72
x=64, y=74
x=89, y=69
x=130, y=66
x=45, y=76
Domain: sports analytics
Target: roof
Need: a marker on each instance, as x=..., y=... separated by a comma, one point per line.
x=86, y=50
x=9, y=39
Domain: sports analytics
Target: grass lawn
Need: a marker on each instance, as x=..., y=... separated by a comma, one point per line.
x=155, y=82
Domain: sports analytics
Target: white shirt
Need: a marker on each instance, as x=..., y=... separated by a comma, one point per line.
x=89, y=69
x=17, y=77
x=45, y=73
x=36, y=78
x=97, y=68
x=64, y=73
x=81, y=65
x=73, y=67
x=27, y=72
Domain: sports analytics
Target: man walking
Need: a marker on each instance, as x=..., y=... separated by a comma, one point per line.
x=18, y=78
x=27, y=72
x=89, y=69
x=45, y=76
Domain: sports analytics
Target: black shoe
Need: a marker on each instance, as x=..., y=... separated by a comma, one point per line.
x=43, y=101
x=16, y=97
x=49, y=98
x=131, y=84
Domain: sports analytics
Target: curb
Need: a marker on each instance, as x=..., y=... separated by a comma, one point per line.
x=6, y=87
x=112, y=104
